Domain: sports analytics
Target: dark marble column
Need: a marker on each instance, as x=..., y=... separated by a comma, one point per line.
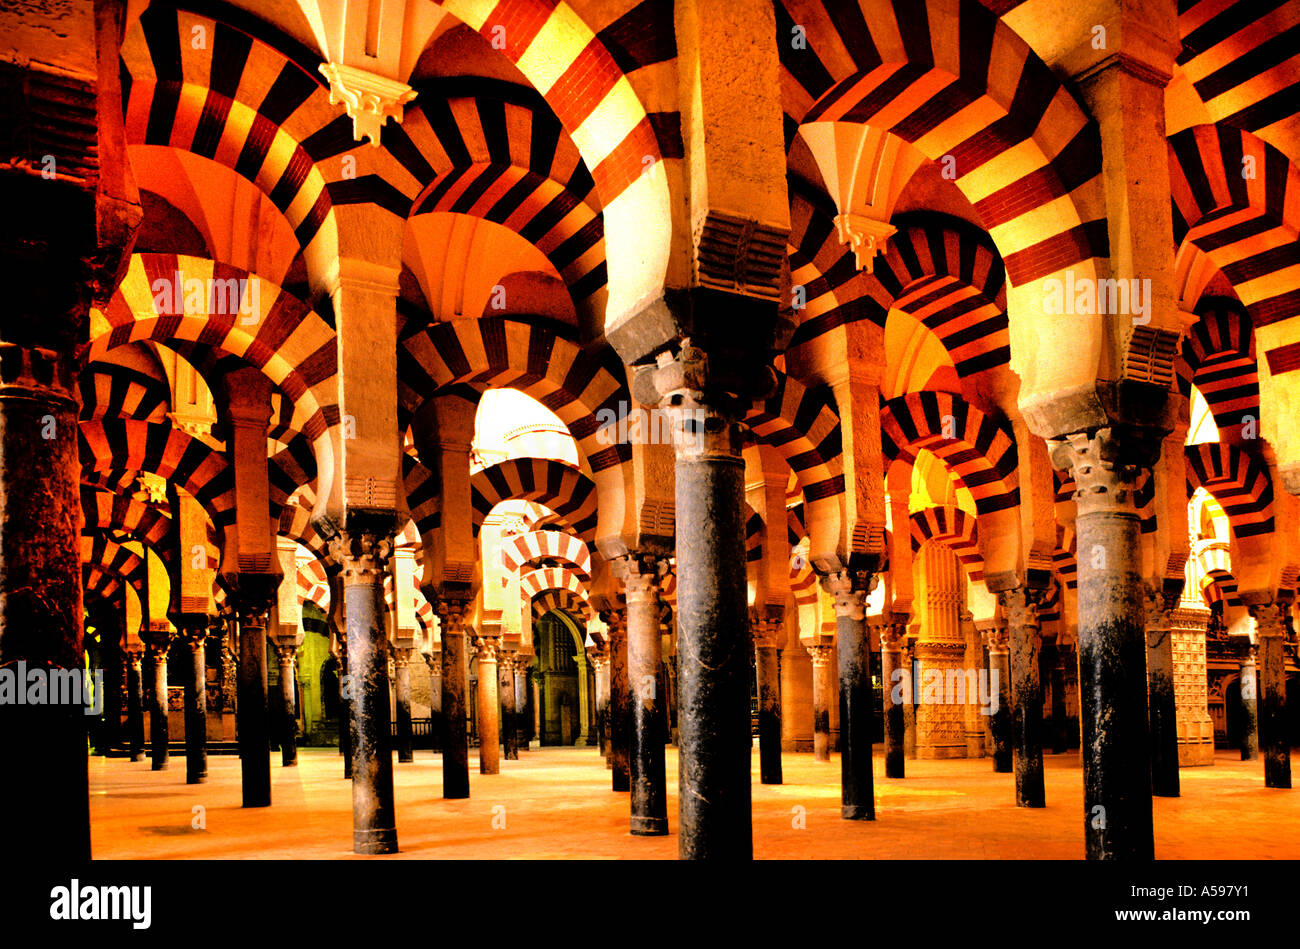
x=113, y=632
x=1000, y=676
x=1162, y=711
x=252, y=722
x=196, y=705
x=286, y=654
x=1060, y=728
x=135, y=701
x=619, y=704
x=649, y=804
x=509, y=728
x=489, y=705
x=857, y=788
x=1020, y=606
x=158, y=644
x=1270, y=634
x=433, y=659
x=1106, y=464
x=1249, y=689
x=896, y=680
x=455, y=738
x=345, y=705
x=600, y=665
x=822, y=689
x=362, y=550
x=402, y=701
x=769, y=634
x=714, y=802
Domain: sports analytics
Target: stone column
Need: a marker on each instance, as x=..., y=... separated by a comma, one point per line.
x=1020, y=605
x=1249, y=690
x=455, y=739
x=433, y=659
x=402, y=690
x=909, y=706
x=42, y=746
x=286, y=655
x=600, y=662
x=977, y=713
x=135, y=701
x=111, y=642
x=823, y=689
x=1270, y=633
x=649, y=804
x=857, y=790
x=1162, y=710
x=253, y=601
x=620, y=710
x=713, y=646
x=520, y=686
x=345, y=706
x=1106, y=464
x=896, y=682
x=768, y=635
x=362, y=550
x=995, y=639
x=509, y=729
x=1059, y=728
x=196, y=707
x=489, y=706
x=584, y=699
x=158, y=645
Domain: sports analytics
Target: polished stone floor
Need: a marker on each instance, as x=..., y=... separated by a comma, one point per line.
x=556, y=803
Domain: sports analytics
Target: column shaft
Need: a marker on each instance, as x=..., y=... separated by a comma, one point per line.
x=196, y=710
x=897, y=686
x=857, y=789
x=135, y=704
x=250, y=711
x=1021, y=607
x=822, y=690
x=158, y=730
x=455, y=739
x=1162, y=711
x=767, y=671
x=620, y=710
x=489, y=704
x=714, y=802
x=1112, y=642
x=1249, y=691
x=1000, y=720
x=509, y=728
x=1273, y=744
x=402, y=700
x=289, y=704
x=646, y=775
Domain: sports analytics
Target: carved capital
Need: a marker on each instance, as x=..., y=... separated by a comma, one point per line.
x=370, y=100
x=1020, y=606
x=820, y=656
x=451, y=615
x=850, y=588
x=401, y=656
x=286, y=653
x=1106, y=465
x=640, y=574
x=362, y=554
x=892, y=636
x=1269, y=620
x=487, y=648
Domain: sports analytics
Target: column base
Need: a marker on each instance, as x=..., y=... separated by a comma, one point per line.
x=256, y=802
x=197, y=779
x=857, y=812
x=649, y=826
x=375, y=841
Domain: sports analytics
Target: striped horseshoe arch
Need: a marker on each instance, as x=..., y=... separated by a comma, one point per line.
x=295, y=524
x=533, y=582
x=565, y=601
x=98, y=585
x=1217, y=581
x=583, y=77
x=313, y=585
x=1238, y=58
x=804, y=427
x=108, y=390
x=122, y=445
x=422, y=497
x=170, y=298
x=1238, y=481
x=958, y=84
x=532, y=358
x=1219, y=359
x=977, y=450
x=949, y=277
x=240, y=102
x=823, y=271
x=110, y=557
x=953, y=528
x=535, y=546
x=107, y=511
x=565, y=490
x=1065, y=556
x=1247, y=225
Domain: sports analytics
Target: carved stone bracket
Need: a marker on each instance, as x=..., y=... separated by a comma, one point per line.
x=370, y=100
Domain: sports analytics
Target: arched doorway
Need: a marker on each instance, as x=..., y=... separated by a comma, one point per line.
x=563, y=681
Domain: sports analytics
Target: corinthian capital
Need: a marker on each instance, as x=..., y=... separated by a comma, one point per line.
x=363, y=555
